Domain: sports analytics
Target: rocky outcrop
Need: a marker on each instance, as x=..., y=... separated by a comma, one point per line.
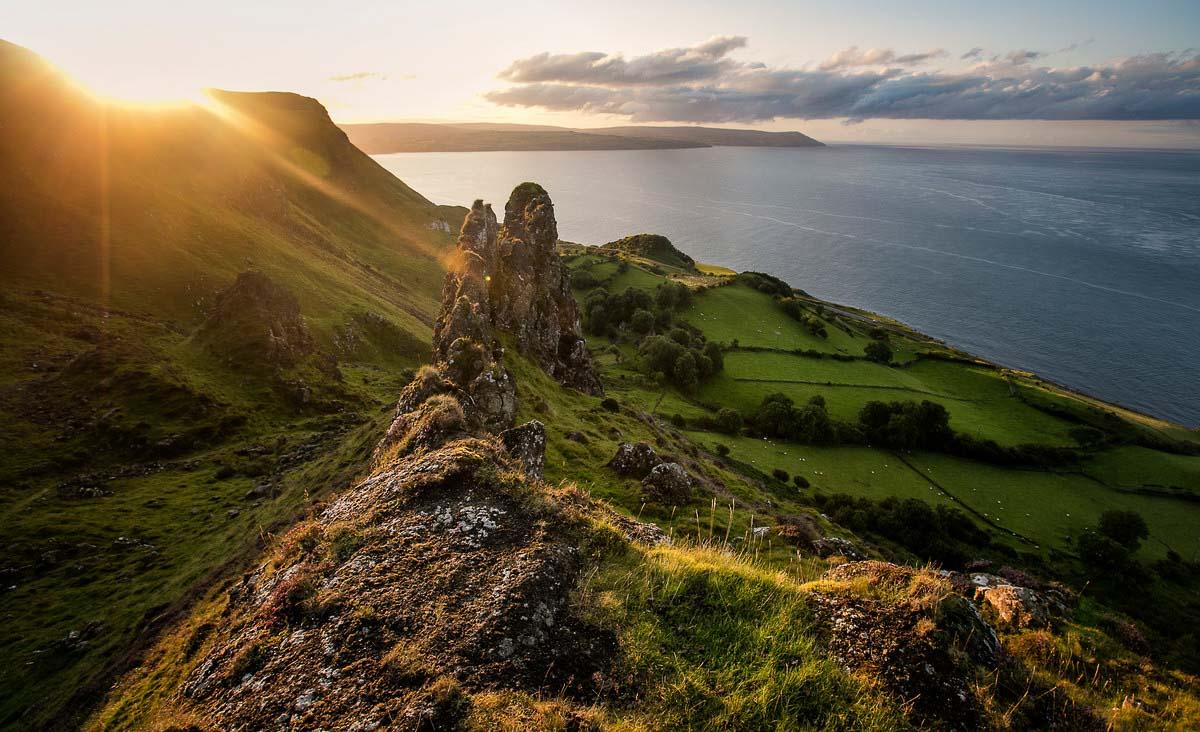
x=437, y=575
x=508, y=279
x=256, y=323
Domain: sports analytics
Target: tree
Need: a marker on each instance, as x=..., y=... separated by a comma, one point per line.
x=729, y=421
x=716, y=355
x=686, y=373
x=879, y=352
x=1127, y=528
x=1099, y=552
x=722, y=450
x=642, y=321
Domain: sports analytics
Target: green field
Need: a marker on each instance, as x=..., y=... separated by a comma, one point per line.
x=737, y=312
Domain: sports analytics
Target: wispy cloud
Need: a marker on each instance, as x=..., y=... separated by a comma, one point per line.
x=359, y=76
x=703, y=84
x=973, y=53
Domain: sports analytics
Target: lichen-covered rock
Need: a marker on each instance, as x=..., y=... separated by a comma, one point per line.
x=527, y=445
x=668, y=484
x=634, y=459
x=833, y=546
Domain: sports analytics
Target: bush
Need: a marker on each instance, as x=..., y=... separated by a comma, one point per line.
x=1127, y=528
x=729, y=421
x=642, y=321
x=610, y=404
x=722, y=450
x=879, y=352
x=800, y=481
x=678, y=420
x=780, y=475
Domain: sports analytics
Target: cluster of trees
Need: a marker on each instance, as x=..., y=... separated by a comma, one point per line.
x=638, y=310
x=682, y=357
x=906, y=425
x=796, y=310
x=778, y=416
x=939, y=533
x=676, y=353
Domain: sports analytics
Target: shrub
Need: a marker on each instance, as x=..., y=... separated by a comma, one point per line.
x=722, y=450
x=1127, y=528
x=729, y=421
x=642, y=321
x=780, y=475
x=879, y=352
x=610, y=404
x=678, y=420
x=800, y=481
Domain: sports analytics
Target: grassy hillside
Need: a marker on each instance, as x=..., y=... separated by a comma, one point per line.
x=136, y=458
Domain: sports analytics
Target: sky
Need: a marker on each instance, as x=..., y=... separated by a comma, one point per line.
x=915, y=72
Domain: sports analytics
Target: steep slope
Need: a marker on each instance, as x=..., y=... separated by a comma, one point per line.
x=202, y=310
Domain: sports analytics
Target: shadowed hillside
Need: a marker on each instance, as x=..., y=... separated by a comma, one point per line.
x=200, y=308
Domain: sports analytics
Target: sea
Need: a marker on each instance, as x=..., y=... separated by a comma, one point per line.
x=1081, y=265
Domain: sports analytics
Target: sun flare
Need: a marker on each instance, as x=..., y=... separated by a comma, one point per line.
x=140, y=91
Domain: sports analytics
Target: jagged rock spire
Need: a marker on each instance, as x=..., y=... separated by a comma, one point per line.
x=509, y=279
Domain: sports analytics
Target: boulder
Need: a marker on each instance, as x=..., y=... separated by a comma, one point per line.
x=668, y=483
x=527, y=445
x=1014, y=607
x=832, y=546
x=634, y=460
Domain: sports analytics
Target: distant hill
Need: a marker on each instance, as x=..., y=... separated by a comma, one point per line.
x=393, y=137
x=715, y=136
x=418, y=137
x=653, y=246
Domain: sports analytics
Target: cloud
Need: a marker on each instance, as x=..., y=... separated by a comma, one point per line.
x=852, y=56
x=359, y=76
x=671, y=66
x=702, y=84
x=973, y=53
x=1023, y=56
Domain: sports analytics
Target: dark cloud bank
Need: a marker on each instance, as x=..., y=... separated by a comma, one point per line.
x=703, y=84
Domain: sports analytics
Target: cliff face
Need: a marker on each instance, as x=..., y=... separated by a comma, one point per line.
x=508, y=278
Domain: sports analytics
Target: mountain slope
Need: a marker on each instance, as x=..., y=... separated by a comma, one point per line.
x=201, y=311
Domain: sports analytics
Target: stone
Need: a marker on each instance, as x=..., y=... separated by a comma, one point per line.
x=634, y=460
x=832, y=546
x=527, y=445
x=668, y=483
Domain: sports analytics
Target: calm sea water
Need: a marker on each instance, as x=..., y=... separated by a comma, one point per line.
x=1083, y=266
